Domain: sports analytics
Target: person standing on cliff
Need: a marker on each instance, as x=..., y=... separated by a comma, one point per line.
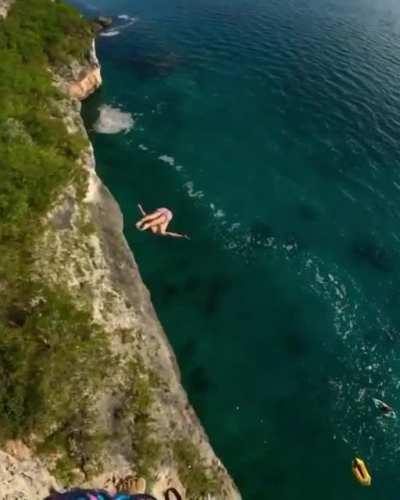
x=157, y=222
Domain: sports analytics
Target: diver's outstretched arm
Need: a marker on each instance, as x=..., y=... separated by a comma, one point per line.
x=176, y=235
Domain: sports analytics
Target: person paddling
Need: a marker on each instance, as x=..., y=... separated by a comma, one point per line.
x=386, y=410
x=157, y=222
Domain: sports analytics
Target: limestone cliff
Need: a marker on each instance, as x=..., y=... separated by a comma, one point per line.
x=4, y=6
x=23, y=478
x=140, y=419
x=79, y=81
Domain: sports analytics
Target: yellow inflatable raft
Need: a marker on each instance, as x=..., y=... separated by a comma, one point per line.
x=360, y=472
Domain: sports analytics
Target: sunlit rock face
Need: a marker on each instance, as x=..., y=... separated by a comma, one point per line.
x=84, y=79
x=4, y=6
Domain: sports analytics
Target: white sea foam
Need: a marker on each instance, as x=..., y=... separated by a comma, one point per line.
x=113, y=120
x=117, y=30
x=110, y=33
x=234, y=226
x=130, y=20
x=143, y=147
x=218, y=213
x=167, y=159
x=367, y=365
x=191, y=191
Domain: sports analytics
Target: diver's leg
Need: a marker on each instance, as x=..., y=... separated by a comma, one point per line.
x=154, y=222
x=147, y=218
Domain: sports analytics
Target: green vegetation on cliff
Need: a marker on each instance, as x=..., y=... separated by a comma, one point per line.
x=54, y=358
x=38, y=155
x=199, y=480
x=47, y=344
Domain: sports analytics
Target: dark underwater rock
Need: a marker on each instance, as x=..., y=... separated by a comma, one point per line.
x=104, y=21
x=373, y=253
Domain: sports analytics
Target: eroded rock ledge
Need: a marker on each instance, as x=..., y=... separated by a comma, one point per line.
x=82, y=80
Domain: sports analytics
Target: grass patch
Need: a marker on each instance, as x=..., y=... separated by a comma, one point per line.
x=198, y=479
x=137, y=413
x=77, y=445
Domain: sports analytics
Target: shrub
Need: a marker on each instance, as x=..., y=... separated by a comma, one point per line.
x=52, y=360
x=197, y=478
x=52, y=356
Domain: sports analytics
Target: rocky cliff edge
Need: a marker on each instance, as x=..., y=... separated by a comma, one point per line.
x=141, y=420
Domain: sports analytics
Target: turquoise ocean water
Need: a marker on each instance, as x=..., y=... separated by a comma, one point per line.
x=271, y=129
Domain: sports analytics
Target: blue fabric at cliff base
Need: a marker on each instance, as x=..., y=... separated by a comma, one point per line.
x=78, y=494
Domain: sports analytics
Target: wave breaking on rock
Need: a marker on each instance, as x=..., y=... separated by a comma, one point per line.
x=113, y=121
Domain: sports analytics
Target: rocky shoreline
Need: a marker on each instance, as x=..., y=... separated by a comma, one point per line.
x=142, y=413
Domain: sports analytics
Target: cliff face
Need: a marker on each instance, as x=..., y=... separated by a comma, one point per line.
x=4, y=6
x=82, y=80
x=23, y=478
x=140, y=419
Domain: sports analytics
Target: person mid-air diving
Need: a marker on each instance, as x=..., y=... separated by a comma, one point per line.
x=157, y=222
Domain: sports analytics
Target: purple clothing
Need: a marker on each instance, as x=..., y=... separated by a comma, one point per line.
x=78, y=494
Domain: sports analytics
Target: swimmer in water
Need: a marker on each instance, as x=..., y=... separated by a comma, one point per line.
x=157, y=222
x=386, y=410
